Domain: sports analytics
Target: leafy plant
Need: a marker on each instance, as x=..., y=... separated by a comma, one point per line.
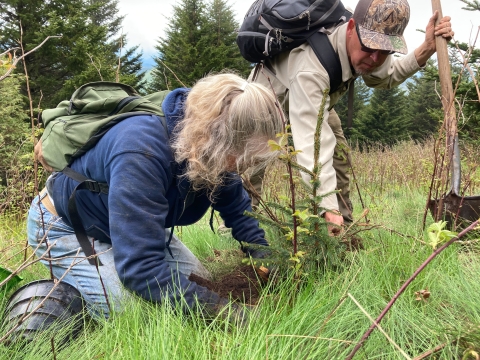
x=11, y=283
x=438, y=234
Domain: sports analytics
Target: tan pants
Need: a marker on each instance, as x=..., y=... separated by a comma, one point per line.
x=341, y=164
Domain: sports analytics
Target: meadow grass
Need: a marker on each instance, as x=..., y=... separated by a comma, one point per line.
x=313, y=317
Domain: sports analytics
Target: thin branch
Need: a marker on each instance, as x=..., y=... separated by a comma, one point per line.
x=95, y=66
x=117, y=76
x=25, y=264
x=32, y=124
x=27, y=316
x=16, y=60
x=465, y=59
x=165, y=65
x=430, y=352
x=6, y=52
x=252, y=192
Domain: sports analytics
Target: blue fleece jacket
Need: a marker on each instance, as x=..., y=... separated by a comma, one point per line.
x=145, y=197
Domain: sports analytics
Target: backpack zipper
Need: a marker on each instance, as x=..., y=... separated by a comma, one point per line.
x=302, y=15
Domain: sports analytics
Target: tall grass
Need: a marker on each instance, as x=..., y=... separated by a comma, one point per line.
x=314, y=318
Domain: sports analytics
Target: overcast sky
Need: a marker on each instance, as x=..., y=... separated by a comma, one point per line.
x=145, y=21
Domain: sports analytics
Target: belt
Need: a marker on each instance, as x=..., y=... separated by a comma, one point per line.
x=45, y=200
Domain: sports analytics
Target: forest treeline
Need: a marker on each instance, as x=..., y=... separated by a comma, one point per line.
x=199, y=39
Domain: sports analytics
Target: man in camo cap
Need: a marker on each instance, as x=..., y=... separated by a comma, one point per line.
x=380, y=24
x=364, y=45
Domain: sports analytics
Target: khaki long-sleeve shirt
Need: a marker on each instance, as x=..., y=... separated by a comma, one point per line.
x=299, y=83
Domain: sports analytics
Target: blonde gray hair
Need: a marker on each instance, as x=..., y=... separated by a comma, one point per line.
x=225, y=117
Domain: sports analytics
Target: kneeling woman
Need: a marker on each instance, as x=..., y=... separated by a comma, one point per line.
x=159, y=178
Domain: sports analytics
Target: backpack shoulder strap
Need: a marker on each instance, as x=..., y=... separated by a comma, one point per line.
x=328, y=58
x=80, y=233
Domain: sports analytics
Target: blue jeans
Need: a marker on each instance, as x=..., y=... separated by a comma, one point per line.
x=68, y=260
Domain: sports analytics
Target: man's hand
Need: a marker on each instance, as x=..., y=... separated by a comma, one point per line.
x=39, y=156
x=428, y=48
x=334, y=222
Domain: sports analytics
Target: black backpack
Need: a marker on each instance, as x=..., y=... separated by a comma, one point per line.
x=273, y=26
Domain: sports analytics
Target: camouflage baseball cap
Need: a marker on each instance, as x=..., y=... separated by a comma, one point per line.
x=381, y=23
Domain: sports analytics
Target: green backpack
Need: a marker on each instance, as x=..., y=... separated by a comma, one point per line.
x=76, y=125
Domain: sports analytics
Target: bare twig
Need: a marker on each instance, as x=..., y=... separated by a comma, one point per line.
x=117, y=76
x=465, y=63
x=356, y=183
x=101, y=278
x=16, y=60
x=25, y=264
x=430, y=352
x=253, y=193
x=52, y=344
x=27, y=316
x=32, y=124
x=96, y=67
x=35, y=169
x=9, y=50
x=27, y=79
x=165, y=65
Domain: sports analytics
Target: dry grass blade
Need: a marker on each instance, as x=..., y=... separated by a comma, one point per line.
x=405, y=355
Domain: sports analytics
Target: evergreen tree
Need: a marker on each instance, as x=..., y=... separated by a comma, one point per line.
x=384, y=120
x=85, y=52
x=179, y=62
x=200, y=39
x=463, y=83
x=219, y=45
x=472, y=5
x=360, y=98
x=14, y=129
x=424, y=106
x=105, y=13
x=469, y=127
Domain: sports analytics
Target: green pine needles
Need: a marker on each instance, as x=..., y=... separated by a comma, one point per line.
x=297, y=220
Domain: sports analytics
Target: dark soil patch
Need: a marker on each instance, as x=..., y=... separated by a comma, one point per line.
x=242, y=285
x=354, y=243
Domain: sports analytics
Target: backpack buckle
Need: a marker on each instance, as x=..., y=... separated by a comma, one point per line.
x=93, y=186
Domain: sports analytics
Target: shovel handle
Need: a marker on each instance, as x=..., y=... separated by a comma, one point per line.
x=447, y=102
x=443, y=61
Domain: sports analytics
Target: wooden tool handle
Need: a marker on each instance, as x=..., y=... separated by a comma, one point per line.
x=443, y=62
x=447, y=101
